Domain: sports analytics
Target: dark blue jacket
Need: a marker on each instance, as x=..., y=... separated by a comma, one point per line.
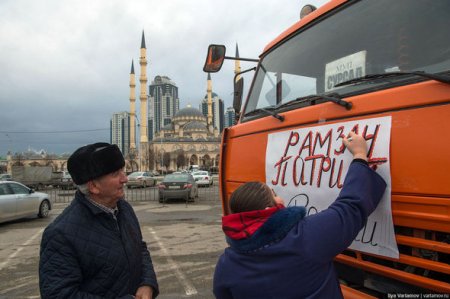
x=86, y=253
x=291, y=256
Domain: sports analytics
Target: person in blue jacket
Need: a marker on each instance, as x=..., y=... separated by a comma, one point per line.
x=94, y=248
x=277, y=252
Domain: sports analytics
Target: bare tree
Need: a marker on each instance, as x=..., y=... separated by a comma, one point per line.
x=144, y=158
x=133, y=160
x=181, y=159
x=151, y=157
x=166, y=160
x=158, y=159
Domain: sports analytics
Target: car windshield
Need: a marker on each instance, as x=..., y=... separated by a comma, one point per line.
x=176, y=178
x=201, y=173
x=135, y=174
x=368, y=37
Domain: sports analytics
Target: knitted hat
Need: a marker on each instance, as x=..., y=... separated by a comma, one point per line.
x=94, y=160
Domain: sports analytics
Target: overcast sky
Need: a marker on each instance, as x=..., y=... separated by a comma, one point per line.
x=65, y=65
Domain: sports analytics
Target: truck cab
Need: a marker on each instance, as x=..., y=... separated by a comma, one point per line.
x=379, y=68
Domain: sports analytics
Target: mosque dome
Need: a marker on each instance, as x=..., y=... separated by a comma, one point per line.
x=188, y=112
x=195, y=126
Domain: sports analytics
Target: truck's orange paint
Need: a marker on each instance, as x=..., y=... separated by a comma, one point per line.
x=419, y=160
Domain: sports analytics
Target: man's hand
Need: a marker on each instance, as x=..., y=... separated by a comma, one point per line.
x=357, y=145
x=144, y=292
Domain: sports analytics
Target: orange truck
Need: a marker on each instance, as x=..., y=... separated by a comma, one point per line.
x=380, y=68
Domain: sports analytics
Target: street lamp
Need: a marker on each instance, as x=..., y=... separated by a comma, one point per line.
x=161, y=149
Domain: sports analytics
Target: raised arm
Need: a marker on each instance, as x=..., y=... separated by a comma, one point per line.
x=331, y=231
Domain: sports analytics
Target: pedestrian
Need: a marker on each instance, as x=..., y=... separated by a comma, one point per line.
x=94, y=248
x=277, y=252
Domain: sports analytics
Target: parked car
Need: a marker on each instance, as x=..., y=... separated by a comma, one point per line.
x=18, y=201
x=5, y=177
x=203, y=178
x=141, y=179
x=178, y=185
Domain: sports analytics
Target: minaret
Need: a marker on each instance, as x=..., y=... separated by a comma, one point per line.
x=143, y=98
x=132, y=108
x=237, y=64
x=209, y=94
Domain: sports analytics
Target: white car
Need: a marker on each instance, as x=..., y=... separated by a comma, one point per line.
x=203, y=178
x=18, y=201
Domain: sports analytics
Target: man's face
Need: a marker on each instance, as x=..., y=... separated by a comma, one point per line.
x=109, y=188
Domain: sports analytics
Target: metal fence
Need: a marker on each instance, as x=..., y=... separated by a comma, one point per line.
x=210, y=193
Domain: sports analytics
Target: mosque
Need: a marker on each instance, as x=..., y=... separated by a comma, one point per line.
x=189, y=139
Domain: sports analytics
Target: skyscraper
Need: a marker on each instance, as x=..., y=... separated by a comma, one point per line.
x=163, y=103
x=230, y=117
x=120, y=131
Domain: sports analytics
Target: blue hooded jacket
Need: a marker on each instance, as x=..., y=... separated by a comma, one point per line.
x=291, y=256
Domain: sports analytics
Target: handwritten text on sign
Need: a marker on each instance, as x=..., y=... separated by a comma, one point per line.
x=307, y=167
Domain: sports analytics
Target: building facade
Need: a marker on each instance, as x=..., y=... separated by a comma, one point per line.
x=163, y=103
x=186, y=141
x=120, y=131
x=37, y=158
x=230, y=117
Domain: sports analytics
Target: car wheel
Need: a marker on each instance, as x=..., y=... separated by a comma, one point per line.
x=44, y=209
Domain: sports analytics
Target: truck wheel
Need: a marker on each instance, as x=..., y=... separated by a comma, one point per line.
x=44, y=209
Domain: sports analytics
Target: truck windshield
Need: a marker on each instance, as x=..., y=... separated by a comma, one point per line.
x=361, y=39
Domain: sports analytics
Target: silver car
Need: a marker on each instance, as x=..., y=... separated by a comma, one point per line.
x=141, y=179
x=18, y=201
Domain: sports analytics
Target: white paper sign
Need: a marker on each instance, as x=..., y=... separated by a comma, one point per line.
x=307, y=167
x=344, y=69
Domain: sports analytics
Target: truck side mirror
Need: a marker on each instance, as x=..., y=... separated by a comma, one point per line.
x=237, y=99
x=214, y=58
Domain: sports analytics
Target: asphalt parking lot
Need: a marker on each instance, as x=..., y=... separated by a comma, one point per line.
x=185, y=242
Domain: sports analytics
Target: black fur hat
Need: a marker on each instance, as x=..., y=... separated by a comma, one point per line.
x=93, y=161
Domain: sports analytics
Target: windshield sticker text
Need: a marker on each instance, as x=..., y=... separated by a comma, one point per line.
x=344, y=69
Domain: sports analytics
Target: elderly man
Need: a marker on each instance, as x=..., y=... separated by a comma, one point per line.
x=94, y=249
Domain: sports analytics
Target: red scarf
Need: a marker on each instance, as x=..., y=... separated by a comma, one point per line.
x=244, y=225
